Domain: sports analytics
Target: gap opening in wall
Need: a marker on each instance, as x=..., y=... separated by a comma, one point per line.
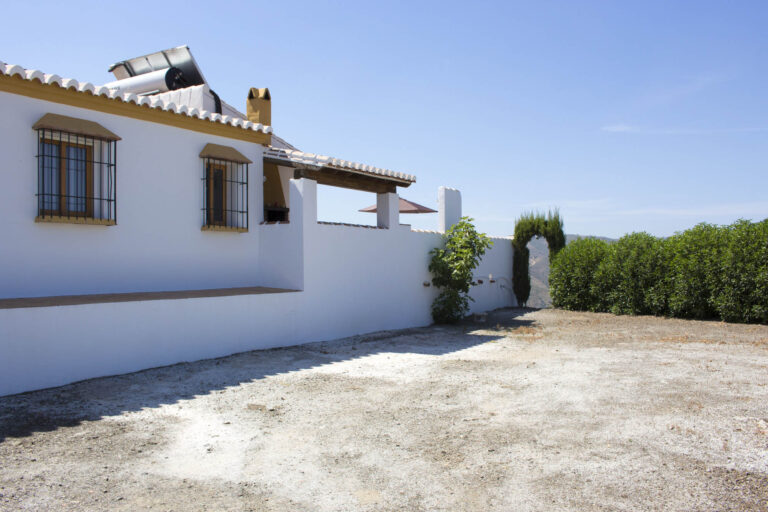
x=276, y=193
x=538, y=270
x=335, y=204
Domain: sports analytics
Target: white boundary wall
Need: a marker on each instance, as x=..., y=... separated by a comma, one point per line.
x=353, y=280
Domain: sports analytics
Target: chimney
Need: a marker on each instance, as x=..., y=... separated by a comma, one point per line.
x=259, y=107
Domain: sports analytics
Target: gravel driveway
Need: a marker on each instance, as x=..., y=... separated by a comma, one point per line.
x=533, y=410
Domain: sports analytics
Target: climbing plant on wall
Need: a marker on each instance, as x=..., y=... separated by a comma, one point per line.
x=452, y=268
x=528, y=226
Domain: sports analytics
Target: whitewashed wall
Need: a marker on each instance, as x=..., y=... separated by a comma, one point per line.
x=353, y=280
x=157, y=243
x=497, y=262
x=363, y=279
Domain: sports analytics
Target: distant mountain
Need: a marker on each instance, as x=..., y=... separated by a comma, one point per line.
x=539, y=270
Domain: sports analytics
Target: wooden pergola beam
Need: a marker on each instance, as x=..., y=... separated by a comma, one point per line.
x=341, y=178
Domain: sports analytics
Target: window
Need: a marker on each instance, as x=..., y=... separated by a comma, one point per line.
x=67, y=178
x=225, y=189
x=75, y=171
x=216, y=194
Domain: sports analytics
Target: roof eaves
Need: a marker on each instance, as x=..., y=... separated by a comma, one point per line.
x=152, y=102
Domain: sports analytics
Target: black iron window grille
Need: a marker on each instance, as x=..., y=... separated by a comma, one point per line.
x=225, y=195
x=76, y=178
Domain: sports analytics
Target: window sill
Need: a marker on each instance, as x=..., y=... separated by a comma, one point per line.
x=62, y=219
x=230, y=229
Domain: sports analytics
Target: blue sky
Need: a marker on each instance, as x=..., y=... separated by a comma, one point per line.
x=628, y=116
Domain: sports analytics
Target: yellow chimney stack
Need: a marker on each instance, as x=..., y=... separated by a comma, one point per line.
x=259, y=107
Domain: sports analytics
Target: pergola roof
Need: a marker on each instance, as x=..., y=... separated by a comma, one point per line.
x=327, y=170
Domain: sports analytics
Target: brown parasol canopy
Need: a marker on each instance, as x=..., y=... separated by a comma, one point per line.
x=405, y=207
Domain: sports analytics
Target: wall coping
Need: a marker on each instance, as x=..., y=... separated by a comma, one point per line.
x=102, y=298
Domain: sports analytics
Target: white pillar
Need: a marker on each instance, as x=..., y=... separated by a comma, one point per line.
x=303, y=200
x=448, y=208
x=387, y=210
x=303, y=224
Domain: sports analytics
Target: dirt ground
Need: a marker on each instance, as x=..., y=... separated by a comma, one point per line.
x=532, y=410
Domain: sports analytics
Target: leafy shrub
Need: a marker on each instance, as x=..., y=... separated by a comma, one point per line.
x=521, y=277
x=450, y=306
x=633, y=276
x=705, y=272
x=452, y=269
x=696, y=256
x=743, y=292
x=572, y=273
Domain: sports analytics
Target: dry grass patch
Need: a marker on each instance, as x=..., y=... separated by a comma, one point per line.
x=529, y=332
x=685, y=338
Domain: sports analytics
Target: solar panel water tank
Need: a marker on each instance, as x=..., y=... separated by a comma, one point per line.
x=161, y=71
x=162, y=80
x=179, y=57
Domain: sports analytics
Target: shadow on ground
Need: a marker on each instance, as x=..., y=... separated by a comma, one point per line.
x=90, y=400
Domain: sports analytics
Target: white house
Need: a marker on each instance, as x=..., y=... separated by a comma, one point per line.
x=147, y=222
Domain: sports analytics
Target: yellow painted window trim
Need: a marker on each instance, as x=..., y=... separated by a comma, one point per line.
x=231, y=229
x=63, y=219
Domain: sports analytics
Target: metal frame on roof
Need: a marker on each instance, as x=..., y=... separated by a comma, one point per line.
x=179, y=57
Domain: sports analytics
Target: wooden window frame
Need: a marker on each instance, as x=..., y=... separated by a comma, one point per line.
x=63, y=210
x=211, y=168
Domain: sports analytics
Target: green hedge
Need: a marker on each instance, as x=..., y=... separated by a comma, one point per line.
x=550, y=226
x=705, y=272
x=570, y=280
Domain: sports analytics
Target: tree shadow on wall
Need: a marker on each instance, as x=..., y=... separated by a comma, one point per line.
x=90, y=400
